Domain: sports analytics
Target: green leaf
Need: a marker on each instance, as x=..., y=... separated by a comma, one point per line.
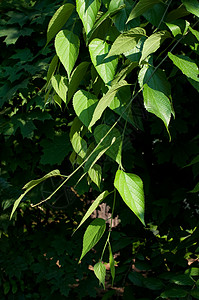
x=67, y=48
x=92, y=235
x=195, y=293
x=186, y=65
x=60, y=85
x=100, y=272
x=173, y=293
x=196, y=189
x=105, y=67
x=178, y=27
x=51, y=69
x=95, y=174
x=58, y=20
x=54, y=151
x=93, y=207
x=76, y=77
x=153, y=42
x=30, y=185
x=141, y=7
x=192, y=6
x=112, y=264
x=130, y=187
x=105, y=101
x=194, y=32
x=182, y=280
x=158, y=104
x=195, y=160
x=79, y=144
x=154, y=284
x=114, y=151
x=84, y=104
x=87, y=11
x=57, y=100
x=126, y=41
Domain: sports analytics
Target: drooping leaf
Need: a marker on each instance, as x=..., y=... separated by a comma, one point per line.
x=153, y=42
x=158, y=104
x=84, y=104
x=186, y=65
x=58, y=20
x=130, y=187
x=105, y=101
x=76, y=77
x=87, y=11
x=194, y=32
x=93, y=207
x=126, y=41
x=112, y=264
x=31, y=184
x=92, y=235
x=51, y=69
x=192, y=6
x=105, y=67
x=95, y=174
x=115, y=151
x=100, y=272
x=67, y=48
x=60, y=85
x=141, y=7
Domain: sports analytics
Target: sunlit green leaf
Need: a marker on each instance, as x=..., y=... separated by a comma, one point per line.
x=92, y=235
x=130, y=187
x=112, y=264
x=60, y=85
x=51, y=69
x=58, y=20
x=115, y=151
x=87, y=11
x=93, y=207
x=95, y=174
x=105, y=67
x=141, y=7
x=126, y=41
x=76, y=77
x=192, y=6
x=67, y=48
x=84, y=104
x=100, y=272
x=153, y=42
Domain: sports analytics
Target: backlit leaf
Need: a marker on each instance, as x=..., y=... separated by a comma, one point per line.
x=130, y=187
x=67, y=48
x=58, y=20
x=60, y=85
x=84, y=104
x=100, y=272
x=87, y=11
x=92, y=235
x=105, y=67
x=51, y=69
x=192, y=6
x=95, y=174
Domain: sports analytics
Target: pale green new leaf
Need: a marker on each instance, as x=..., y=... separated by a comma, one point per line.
x=112, y=264
x=58, y=20
x=153, y=42
x=93, y=207
x=51, y=69
x=192, y=6
x=105, y=101
x=87, y=11
x=130, y=187
x=79, y=144
x=84, y=104
x=105, y=67
x=141, y=7
x=126, y=41
x=115, y=151
x=30, y=185
x=158, y=104
x=92, y=235
x=76, y=77
x=95, y=174
x=100, y=272
x=186, y=65
x=60, y=85
x=67, y=48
